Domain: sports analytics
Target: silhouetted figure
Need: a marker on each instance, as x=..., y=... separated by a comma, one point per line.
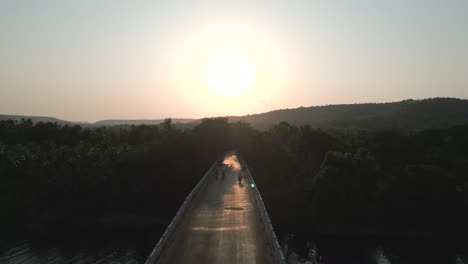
x=239, y=177
x=224, y=174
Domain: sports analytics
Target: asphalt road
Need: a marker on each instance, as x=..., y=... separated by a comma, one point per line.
x=223, y=225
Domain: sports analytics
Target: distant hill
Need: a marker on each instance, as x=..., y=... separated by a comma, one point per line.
x=36, y=119
x=110, y=122
x=407, y=114
x=116, y=122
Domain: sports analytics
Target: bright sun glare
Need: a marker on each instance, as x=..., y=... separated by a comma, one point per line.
x=229, y=74
x=227, y=67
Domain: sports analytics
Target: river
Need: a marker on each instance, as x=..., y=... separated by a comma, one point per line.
x=329, y=250
x=353, y=250
x=124, y=247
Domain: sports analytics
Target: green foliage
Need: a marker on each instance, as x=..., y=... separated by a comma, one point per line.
x=213, y=135
x=56, y=178
x=60, y=177
x=386, y=182
x=345, y=188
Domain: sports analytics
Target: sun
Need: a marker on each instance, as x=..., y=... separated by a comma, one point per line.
x=230, y=74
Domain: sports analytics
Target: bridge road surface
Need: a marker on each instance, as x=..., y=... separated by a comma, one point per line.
x=223, y=225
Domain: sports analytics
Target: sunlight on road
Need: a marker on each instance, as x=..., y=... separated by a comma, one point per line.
x=233, y=162
x=223, y=225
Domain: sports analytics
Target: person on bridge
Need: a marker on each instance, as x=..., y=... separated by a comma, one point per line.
x=240, y=177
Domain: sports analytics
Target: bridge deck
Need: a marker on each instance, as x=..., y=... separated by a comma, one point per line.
x=223, y=225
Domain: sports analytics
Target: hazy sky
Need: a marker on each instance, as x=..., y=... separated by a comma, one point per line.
x=90, y=60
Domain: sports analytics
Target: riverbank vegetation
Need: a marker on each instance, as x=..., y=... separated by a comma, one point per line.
x=66, y=179
x=390, y=183
x=57, y=178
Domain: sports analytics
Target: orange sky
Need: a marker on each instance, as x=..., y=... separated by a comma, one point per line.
x=92, y=60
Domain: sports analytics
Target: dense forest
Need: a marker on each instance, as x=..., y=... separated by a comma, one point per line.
x=390, y=183
x=66, y=179
x=57, y=178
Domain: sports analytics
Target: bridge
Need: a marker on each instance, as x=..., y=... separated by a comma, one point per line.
x=220, y=221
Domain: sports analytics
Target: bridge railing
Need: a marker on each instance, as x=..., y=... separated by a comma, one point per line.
x=270, y=232
x=163, y=241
